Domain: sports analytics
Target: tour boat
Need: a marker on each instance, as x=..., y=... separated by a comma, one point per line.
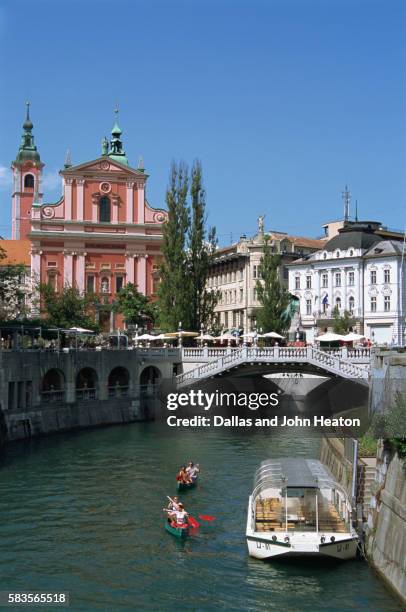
x=179, y=531
x=297, y=509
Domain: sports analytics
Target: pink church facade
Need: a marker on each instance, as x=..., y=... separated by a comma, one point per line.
x=100, y=235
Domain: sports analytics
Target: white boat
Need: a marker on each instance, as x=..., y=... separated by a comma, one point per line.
x=298, y=509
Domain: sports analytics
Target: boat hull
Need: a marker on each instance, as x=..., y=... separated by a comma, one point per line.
x=182, y=486
x=264, y=548
x=178, y=532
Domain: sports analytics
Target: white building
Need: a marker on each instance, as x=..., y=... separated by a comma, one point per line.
x=234, y=273
x=358, y=270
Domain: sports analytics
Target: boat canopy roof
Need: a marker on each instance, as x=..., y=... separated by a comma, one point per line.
x=293, y=473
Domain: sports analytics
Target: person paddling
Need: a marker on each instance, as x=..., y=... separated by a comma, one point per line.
x=180, y=516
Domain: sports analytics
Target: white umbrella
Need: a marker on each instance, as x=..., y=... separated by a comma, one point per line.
x=81, y=330
x=330, y=337
x=353, y=337
x=183, y=334
x=272, y=335
x=207, y=337
x=147, y=337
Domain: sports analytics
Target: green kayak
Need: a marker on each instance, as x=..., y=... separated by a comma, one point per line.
x=178, y=532
x=184, y=486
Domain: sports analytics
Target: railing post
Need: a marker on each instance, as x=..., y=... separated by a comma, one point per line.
x=344, y=352
x=276, y=352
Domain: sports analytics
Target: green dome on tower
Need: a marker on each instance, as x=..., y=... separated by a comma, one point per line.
x=28, y=150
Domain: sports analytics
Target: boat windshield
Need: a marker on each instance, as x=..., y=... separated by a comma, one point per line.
x=298, y=495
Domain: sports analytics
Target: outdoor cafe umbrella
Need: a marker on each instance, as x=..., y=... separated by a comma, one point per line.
x=330, y=337
x=207, y=337
x=273, y=334
x=353, y=337
x=181, y=334
x=80, y=330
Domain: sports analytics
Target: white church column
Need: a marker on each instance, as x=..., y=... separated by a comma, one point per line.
x=130, y=268
x=79, y=198
x=142, y=274
x=80, y=271
x=68, y=268
x=141, y=202
x=130, y=202
x=68, y=199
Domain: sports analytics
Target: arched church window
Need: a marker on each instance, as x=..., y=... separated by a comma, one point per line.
x=29, y=181
x=351, y=304
x=104, y=205
x=338, y=303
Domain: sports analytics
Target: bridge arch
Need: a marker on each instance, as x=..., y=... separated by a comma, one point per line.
x=86, y=384
x=53, y=386
x=118, y=382
x=150, y=375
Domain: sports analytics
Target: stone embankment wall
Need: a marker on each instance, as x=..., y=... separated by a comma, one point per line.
x=386, y=531
x=333, y=455
x=29, y=407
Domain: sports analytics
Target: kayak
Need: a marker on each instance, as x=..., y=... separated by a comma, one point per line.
x=184, y=486
x=179, y=531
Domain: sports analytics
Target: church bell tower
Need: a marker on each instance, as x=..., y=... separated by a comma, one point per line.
x=27, y=171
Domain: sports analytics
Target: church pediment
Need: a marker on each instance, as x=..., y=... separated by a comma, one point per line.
x=104, y=165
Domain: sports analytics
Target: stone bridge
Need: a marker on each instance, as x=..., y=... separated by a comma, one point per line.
x=344, y=363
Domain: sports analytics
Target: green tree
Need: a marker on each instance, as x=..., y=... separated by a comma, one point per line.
x=272, y=295
x=133, y=305
x=202, y=245
x=174, y=289
x=68, y=308
x=341, y=323
x=14, y=292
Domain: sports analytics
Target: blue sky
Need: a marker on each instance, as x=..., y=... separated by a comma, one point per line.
x=284, y=101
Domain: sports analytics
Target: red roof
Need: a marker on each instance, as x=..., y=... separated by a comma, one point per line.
x=16, y=251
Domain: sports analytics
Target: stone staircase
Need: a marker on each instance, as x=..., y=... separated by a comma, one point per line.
x=366, y=474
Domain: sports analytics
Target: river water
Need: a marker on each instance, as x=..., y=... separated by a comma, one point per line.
x=81, y=512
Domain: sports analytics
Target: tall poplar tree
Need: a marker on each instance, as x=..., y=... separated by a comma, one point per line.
x=202, y=245
x=272, y=295
x=173, y=292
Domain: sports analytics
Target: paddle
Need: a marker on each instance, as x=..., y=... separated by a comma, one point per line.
x=193, y=522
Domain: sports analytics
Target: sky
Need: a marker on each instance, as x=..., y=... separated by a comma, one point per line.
x=283, y=101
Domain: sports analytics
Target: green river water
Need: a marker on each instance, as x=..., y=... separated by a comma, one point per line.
x=81, y=512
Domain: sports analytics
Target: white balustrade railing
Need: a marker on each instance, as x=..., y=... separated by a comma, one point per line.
x=337, y=361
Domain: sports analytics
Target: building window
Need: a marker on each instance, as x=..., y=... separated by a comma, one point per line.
x=351, y=278
x=308, y=282
x=297, y=282
x=255, y=294
x=386, y=303
x=90, y=284
x=52, y=281
x=105, y=285
x=373, y=304
x=241, y=295
x=373, y=277
x=29, y=181
x=338, y=303
x=255, y=271
x=386, y=276
x=308, y=307
x=324, y=280
x=119, y=283
x=104, y=207
x=241, y=274
x=338, y=279
x=351, y=304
